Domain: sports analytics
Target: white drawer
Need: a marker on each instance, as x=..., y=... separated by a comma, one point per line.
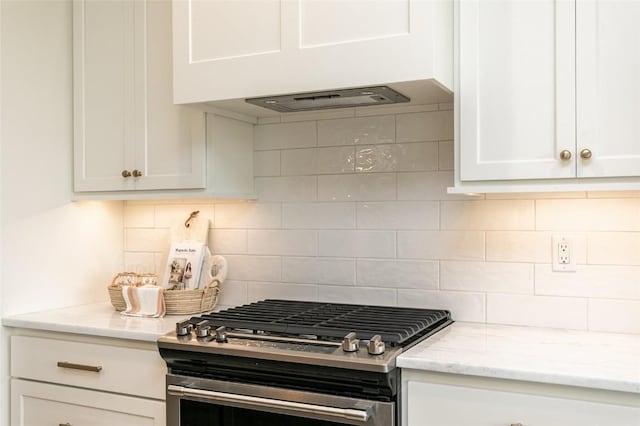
x=131, y=371
x=43, y=404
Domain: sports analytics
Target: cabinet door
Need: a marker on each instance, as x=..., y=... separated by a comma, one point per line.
x=41, y=404
x=516, y=89
x=608, y=87
x=103, y=68
x=444, y=405
x=170, y=139
x=226, y=49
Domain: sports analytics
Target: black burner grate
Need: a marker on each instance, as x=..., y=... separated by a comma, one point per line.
x=396, y=325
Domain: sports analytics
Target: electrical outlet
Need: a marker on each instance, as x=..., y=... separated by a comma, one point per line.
x=563, y=256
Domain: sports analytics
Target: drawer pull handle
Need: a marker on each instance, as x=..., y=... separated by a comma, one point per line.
x=517, y=424
x=94, y=368
x=65, y=424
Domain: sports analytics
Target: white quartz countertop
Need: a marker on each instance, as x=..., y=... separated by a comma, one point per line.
x=96, y=319
x=565, y=357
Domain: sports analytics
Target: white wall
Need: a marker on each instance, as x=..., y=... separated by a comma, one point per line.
x=54, y=252
x=353, y=208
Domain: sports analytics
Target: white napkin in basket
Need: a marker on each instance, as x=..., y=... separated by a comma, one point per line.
x=144, y=301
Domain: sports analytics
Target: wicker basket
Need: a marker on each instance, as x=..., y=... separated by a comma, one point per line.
x=177, y=302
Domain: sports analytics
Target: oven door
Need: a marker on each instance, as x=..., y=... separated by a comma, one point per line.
x=204, y=402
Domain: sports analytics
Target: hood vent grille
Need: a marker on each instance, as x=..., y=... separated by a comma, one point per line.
x=345, y=98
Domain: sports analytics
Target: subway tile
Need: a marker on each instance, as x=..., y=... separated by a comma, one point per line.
x=269, y=120
x=378, y=244
x=398, y=215
x=614, y=248
x=614, y=194
x=445, y=155
x=359, y=187
x=146, y=239
x=233, y=293
x=463, y=306
x=319, y=215
x=282, y=242
x=274, y=290
x=315, y=161
x=487, y=277
x=175, y=214
x=488, y=215
x=534, y=195
x=614, y=316
x=319, y=115
x=426, y=186
x=407, y=157
x=140, y=262
x=319, y=270
x=425, y=126
x=266, y=163
x=357, y=295
x=393, y=109
x=618, y=282
x=357, y=131
x=397, y=273
x=248, y=215
x=254, y=268
x=293, y=188
x=530, y=246
x=136, y=216
x=588, y=215
x=445, y=106
x=441, y=245
x=228, y=241
x=537, y=311
x=285, y=135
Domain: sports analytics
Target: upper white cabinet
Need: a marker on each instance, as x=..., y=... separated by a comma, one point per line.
x=545, y=91
x=224, y=49
x=128, y=134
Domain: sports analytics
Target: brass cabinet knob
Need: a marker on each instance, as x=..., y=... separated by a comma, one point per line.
x=565, y=155
x=137, y=173
x=126, y=173
x=585, y=153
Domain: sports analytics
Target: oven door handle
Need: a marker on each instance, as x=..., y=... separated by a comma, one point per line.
x=321, y=412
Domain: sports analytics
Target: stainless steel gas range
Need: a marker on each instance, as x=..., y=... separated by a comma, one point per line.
x=292, y=363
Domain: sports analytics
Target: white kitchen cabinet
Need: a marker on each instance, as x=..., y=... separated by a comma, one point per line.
x=60, y=380
x=547, y=95
x=225, y=49
x=449, y=400
x=128, y=135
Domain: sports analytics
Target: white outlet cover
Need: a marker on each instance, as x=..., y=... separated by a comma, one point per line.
x=557, y=265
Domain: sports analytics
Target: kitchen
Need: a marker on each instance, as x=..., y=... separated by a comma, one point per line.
x=333, y=221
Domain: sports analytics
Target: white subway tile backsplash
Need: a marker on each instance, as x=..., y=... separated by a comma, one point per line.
x=619, y=282
x=266, y=163
x=588, y=215
x=319, y=215
x=275, y=290
x=254, y=268
x=289, y=188
x=248, y=215
x=379, y=244
x=464, y=306
x=357, y=131
x=441, y=245
x=318, y=115
x=315, y=161
x=425, y=126
x=175, y=214
x=615, y=316
x=397, y=273
x=228, y=241
x=614, y=248
x=445, y=155
x=358, y=187
x=137, y=216
x=393, y=109
x=398, y=215
x=233, y=293
x=319, y=270
x=537, y=311
x=487, y=276
x=285, y=135
x=359, y=295
x=427, y=186
x=407, y=157
x=146, y=239
x=488, y=215
x=282, y=242
x=519, y=246
x=140, y=262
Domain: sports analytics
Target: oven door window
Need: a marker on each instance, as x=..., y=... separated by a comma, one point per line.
x=194, y=413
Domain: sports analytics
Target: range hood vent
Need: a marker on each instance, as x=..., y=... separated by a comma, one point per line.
x=345, y=98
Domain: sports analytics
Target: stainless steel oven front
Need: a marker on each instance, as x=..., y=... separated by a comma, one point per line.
x=196, y=401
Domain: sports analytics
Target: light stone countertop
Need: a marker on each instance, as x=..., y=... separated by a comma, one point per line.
x=565, y=357
x=96, y=319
